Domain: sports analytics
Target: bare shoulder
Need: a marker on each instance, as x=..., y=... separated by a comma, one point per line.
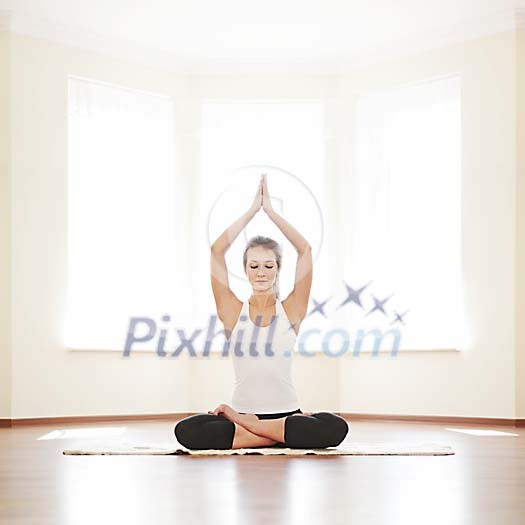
x=229, y=312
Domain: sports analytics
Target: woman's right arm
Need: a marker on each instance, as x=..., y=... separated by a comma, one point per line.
x=225, y=240
x=224, y=297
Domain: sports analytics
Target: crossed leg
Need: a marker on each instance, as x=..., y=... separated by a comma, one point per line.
x=204, y=431
x=225, y=428
x=243, y=438
x=250, y=431
x=250, y=434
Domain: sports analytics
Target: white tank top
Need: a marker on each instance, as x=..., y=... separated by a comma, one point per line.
x=263, y=382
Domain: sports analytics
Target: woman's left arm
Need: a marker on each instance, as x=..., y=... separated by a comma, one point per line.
x=303, y=269
x=299, y=242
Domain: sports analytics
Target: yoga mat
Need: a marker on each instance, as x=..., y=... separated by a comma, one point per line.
x=345, y=449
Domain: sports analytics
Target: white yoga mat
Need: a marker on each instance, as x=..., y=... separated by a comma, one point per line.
x=345, y=449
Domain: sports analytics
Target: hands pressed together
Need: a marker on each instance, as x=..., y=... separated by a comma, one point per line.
x=262, y=196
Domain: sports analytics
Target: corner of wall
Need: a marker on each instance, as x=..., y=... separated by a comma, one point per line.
x=519, y=368
x=5, y=223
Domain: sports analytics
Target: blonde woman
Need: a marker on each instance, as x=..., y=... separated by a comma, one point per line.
x=262, y=332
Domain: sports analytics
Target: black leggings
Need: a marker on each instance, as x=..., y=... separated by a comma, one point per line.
x=207, y=431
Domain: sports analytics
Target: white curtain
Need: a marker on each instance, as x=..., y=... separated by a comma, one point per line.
x=126, y=248
x=240, y=140
x=405, y=212
x=122, y=234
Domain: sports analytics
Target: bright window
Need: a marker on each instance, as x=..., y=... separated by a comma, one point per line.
x=405, y=210
x=122, y=250
x=241, y=140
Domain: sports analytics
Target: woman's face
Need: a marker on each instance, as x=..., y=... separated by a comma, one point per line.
x=261, y=269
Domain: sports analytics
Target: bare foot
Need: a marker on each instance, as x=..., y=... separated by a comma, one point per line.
x=244, y=419
x=232, y=415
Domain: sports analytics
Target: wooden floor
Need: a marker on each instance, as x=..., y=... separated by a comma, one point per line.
x=484, y=483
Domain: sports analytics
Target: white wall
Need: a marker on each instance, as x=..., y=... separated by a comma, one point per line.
x=48, y=380
x=5, y=230
x=481, y=380
x=520, y=225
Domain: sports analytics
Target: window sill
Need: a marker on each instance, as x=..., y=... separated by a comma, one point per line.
x=218, y=352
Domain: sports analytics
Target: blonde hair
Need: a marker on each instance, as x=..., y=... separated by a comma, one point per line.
x=270, y=244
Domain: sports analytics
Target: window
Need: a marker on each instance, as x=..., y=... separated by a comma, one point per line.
x=122, y=250
x=405, y=210
x=241, y=140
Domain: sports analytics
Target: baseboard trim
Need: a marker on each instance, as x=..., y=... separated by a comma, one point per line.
x=350, y=416
x=436, y=419
x=92, y=419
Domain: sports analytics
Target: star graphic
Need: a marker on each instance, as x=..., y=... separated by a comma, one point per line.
x=353, y=295
x=399, y=317
x=379, y=304
x=292, y=325
x=319, y=306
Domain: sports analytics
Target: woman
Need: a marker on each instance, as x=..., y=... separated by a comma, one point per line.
x=265, y=409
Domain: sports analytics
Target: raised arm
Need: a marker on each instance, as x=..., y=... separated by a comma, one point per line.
x=224, y=297
x=303, y=271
